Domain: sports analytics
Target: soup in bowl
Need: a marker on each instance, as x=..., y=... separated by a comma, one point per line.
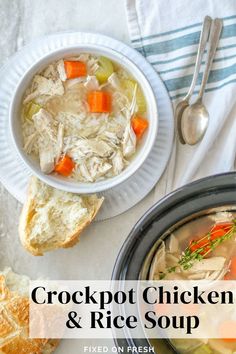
x=84, y=122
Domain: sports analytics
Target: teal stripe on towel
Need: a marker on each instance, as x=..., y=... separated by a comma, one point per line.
x=175, y=31
x=193, y=54
x=179, y=95
x=193, y=64
x=182, y=42
x=185, y=81
x=166, y=33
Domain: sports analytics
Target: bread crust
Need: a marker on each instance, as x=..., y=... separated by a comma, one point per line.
x=29, y=210
x=14, y=325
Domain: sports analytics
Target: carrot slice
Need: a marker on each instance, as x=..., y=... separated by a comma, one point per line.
x=227, y=277
x=99, y=102
x=196, y=245
x=217, y=231
x=65, y=166
x=220, y=230
x=139, y=126
x=75, y=69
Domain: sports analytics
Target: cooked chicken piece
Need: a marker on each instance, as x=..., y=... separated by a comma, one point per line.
x=159, y=262
x=29, y=142
x=60, y=136
x=45, y=86
x=222, y=217
x=100, y=148
x=173, y=244
x=133, y=105
x=71, y=83
x=81, y=57
x=93, y=164
x=84, y=146
x=118, y=164
x=90, y=147
x=89, y=132
x=198, y=276
x=50, y=72
x=61, y=70
x=49, y=87
x=33, y=95
x=217, y=275
x=114, y=81
x=94, y=168
x=85, y=173
x=171, y=260
x=44, y=124
x=92, y=66
x=79, y=149
x=122, y=103
x=92, y=83
x=129, y=141
x=213, y=263
x=46, y=157
x=103, y=169
x=111, y=137
x=173, y=276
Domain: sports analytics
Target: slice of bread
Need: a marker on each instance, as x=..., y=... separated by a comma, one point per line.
x=52, y=219
x=14, y=318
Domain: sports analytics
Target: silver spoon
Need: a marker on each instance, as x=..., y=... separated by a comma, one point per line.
x=196, y=117
x=185, y=101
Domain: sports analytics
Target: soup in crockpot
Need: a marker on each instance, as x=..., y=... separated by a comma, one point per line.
x=204, y=248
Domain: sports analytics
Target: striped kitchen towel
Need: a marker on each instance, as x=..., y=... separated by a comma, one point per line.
x=167, y=33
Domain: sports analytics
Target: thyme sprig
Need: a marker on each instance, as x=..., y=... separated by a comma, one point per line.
x=190, y=256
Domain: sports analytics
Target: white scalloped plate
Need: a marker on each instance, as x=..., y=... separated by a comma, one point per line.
x=14, y=174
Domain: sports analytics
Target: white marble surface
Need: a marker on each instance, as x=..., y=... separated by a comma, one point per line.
x=20, y=22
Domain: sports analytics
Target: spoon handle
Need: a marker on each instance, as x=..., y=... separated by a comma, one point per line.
x=201, y=48
x=213, y=43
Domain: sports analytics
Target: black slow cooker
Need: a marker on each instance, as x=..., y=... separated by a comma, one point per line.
x=205, y=196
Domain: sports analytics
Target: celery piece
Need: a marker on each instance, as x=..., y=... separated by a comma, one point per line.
x=204, y=349
x=30, y=109
x=129, y=86
x=186, y=346
x=105, y=69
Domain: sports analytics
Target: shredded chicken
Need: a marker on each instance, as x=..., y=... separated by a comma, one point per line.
x=100, y=144
x=44, y=126
x=118, y=163
x=59, y=145
x=114, y=81
x=213, y=263
x=129, y=141
x=172, y=262
x=61, y=70
x=91, y=83
x=44, y=86
x=46, y=157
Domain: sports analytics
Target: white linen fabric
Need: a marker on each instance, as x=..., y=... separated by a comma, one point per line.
x=167, y=33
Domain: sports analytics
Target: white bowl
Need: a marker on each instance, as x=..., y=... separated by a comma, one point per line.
x=62, y=182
